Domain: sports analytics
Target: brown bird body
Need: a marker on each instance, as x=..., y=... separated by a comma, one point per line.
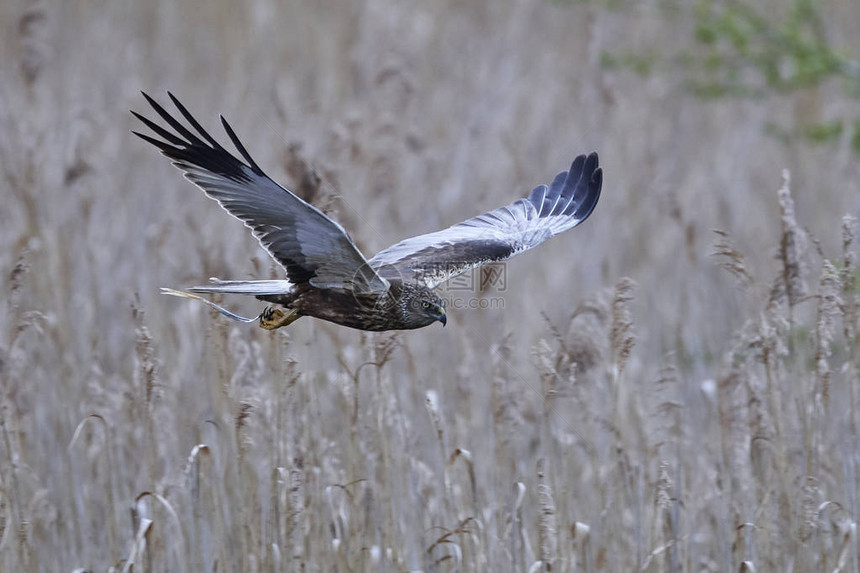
x=327, y=277
x=399, y=308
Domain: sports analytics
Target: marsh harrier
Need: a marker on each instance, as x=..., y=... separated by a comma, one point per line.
x=326, y=275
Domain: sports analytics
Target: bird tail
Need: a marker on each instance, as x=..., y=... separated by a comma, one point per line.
x=253, y=288
x=219, y=308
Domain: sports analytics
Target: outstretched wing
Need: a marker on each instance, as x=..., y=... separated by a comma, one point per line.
x=310, y=246
x=500, y=234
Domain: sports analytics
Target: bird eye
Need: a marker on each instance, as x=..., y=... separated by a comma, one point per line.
x=425, y=304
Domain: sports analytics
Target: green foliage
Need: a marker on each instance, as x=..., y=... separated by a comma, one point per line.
x=815, y=133
x=855, y=138
x=608, y=4
x=745, y=52
x=638, y=63
x=823, y=132
x=741, y=51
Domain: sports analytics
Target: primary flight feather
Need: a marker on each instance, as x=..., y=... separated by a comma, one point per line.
x=326, y=275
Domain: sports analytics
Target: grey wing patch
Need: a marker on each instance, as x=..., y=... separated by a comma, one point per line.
x=311, y=247
x=436, y=262
x=499, y=234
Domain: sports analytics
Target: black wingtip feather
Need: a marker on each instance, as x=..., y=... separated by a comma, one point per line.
x=182, y=146
x=577, y=165
x=240, y=147
x=174, y=123
x=591, y=163
x=190, y=119
x=571, y=192
x=589, y=202
x=159, y=130
x=163, y=146
x=581, y=188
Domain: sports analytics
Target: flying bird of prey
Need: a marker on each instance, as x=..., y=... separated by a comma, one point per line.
x=326, y=275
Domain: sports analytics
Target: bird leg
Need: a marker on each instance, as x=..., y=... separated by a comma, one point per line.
x=272, y=318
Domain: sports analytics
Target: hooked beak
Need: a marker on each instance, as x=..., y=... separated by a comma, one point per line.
x=443, y=318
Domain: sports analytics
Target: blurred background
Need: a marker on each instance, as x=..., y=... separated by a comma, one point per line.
x=635, y=401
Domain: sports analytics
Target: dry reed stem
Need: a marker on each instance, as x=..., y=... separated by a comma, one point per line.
x=547, y=526
x=792, y=247
x=850, y=324
x=668, y=505
x=138, y=547
x=16, y=283
x=148, y=370
x=113, y=524
x=848, y=278
x=431, y=401
x=454, y=539
x=621, y=335
x=668, y=407
x=810, y=500
x=245, y=477
x=846, y=535
x=20, y=523
x=513, y=526
x=587, y=344
x=196, y=479
x=33, y=33
x=580, y=535
x=466, y=456
x=295, y=508
x=731, y=259
x=181, y=546
x=5, y=515
x=507, y=419
x=659, y=551
x=829, y=305
x=148, y=363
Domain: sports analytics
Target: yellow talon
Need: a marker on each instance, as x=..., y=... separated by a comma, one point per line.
x=273, y=318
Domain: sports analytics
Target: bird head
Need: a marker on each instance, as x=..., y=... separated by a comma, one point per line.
x=423, y=307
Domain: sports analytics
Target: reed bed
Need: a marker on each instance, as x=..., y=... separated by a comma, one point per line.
x=652, y=394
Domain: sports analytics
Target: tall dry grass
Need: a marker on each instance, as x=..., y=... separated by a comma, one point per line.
x=633, y=405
